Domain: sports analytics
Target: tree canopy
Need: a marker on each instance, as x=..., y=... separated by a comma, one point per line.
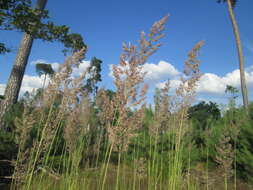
x=19, y=15
x=94, y=70
x=202, y=112
x=44, y=69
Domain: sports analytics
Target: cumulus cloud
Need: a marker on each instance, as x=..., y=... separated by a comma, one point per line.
x=79, y=70
x=55, y=66
x=174, y=84
x=209, y=83
x=2, y=87
x=212, y=84
x=31, y=83
x=161, y=71
x=156, y=72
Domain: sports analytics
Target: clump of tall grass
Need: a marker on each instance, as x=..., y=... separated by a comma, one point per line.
x=54, y=116
x=61, y=147
x=225, y=157
x=171, y=125
x=123, y=113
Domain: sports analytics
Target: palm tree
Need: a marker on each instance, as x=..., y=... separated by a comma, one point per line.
x=44, y=69
x=18, y=70
x=231, y=4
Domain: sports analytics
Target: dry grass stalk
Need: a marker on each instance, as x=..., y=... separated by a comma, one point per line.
x=171, y=114
x=120, y=123
x=62, y=78
x=140, y=167
x=162, y=112
x=225, y=155
x=226, y=149
x=66, y=91
x=171, y=111
x=77, y=123
x=23, y=138
x=187, y=89
x=186, y=92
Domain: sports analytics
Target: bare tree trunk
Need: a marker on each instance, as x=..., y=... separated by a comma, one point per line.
x=240, y=54
x=18, y=70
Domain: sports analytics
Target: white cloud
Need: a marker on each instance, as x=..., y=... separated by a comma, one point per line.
x=29, y=84
x=156, y=72
x=111, y=71
x=213, y=84
x=77, y=71
x=209, y=84
x=2, y=87
x=174, y=84
x=55, y=66
x=161, y=71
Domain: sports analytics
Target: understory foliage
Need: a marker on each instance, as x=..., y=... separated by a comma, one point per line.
x=73, y=135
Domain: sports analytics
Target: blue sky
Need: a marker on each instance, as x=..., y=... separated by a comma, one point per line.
x=106, y=24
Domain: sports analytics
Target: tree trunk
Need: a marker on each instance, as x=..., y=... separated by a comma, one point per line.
x=18, y=70
x=240, y=55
